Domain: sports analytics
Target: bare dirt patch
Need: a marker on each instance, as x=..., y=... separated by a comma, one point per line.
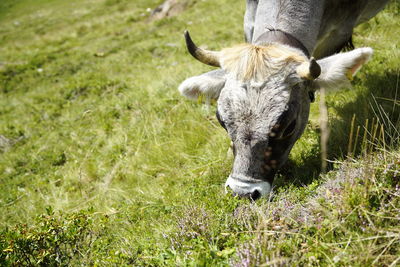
x=168, y=9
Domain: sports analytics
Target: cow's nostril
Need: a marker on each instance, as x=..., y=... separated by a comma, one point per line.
x=228, y=190
x=255, y=195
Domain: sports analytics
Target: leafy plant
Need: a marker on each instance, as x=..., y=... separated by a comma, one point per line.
x=54, y=240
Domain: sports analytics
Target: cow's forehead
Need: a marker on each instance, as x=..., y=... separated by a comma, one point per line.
x=255, y=104
x=258, y=86
x=249, y=62
x=274, y=89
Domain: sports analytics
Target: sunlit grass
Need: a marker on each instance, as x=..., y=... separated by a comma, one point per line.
x=97, y=130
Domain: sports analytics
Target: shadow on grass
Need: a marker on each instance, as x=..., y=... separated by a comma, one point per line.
x=379, y=101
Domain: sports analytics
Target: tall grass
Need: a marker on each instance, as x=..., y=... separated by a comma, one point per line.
x=102, y=162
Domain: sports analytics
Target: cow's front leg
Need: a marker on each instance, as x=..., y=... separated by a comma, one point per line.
x=249, y=18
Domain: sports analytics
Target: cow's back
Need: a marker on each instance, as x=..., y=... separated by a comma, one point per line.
x=338, y=21
x=324, y=27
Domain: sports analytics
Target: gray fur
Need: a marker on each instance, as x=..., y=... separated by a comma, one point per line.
x=265, y=119
x=250, y=111
x=249, y=19
x=322, y=26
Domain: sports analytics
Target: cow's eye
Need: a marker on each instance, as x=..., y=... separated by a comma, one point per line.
x=285, y=126
x=311, y=95
x=220, y=120
x=290, y=129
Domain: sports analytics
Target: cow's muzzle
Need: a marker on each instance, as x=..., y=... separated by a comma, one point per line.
x=247, y=187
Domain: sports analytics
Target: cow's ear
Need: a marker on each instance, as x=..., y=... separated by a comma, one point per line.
x=207, y=85
x=339, y=69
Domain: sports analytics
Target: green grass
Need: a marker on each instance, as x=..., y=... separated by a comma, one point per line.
x=105, y=163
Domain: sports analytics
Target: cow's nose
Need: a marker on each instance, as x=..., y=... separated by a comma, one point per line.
x=247, y=187
x=255, y=195
x=252, y=196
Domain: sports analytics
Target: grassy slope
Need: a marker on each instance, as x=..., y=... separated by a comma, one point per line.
x=88, y=93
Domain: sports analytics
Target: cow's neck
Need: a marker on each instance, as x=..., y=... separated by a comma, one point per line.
x=299, y=18
x=281, y=37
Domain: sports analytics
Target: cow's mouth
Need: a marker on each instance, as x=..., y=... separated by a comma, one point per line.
x=247, y=187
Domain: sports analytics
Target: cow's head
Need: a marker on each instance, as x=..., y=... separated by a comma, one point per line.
x=264, y=95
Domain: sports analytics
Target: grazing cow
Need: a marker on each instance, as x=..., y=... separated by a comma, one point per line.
x=264, y=87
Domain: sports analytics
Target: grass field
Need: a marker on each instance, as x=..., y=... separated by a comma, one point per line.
x=102, y=162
